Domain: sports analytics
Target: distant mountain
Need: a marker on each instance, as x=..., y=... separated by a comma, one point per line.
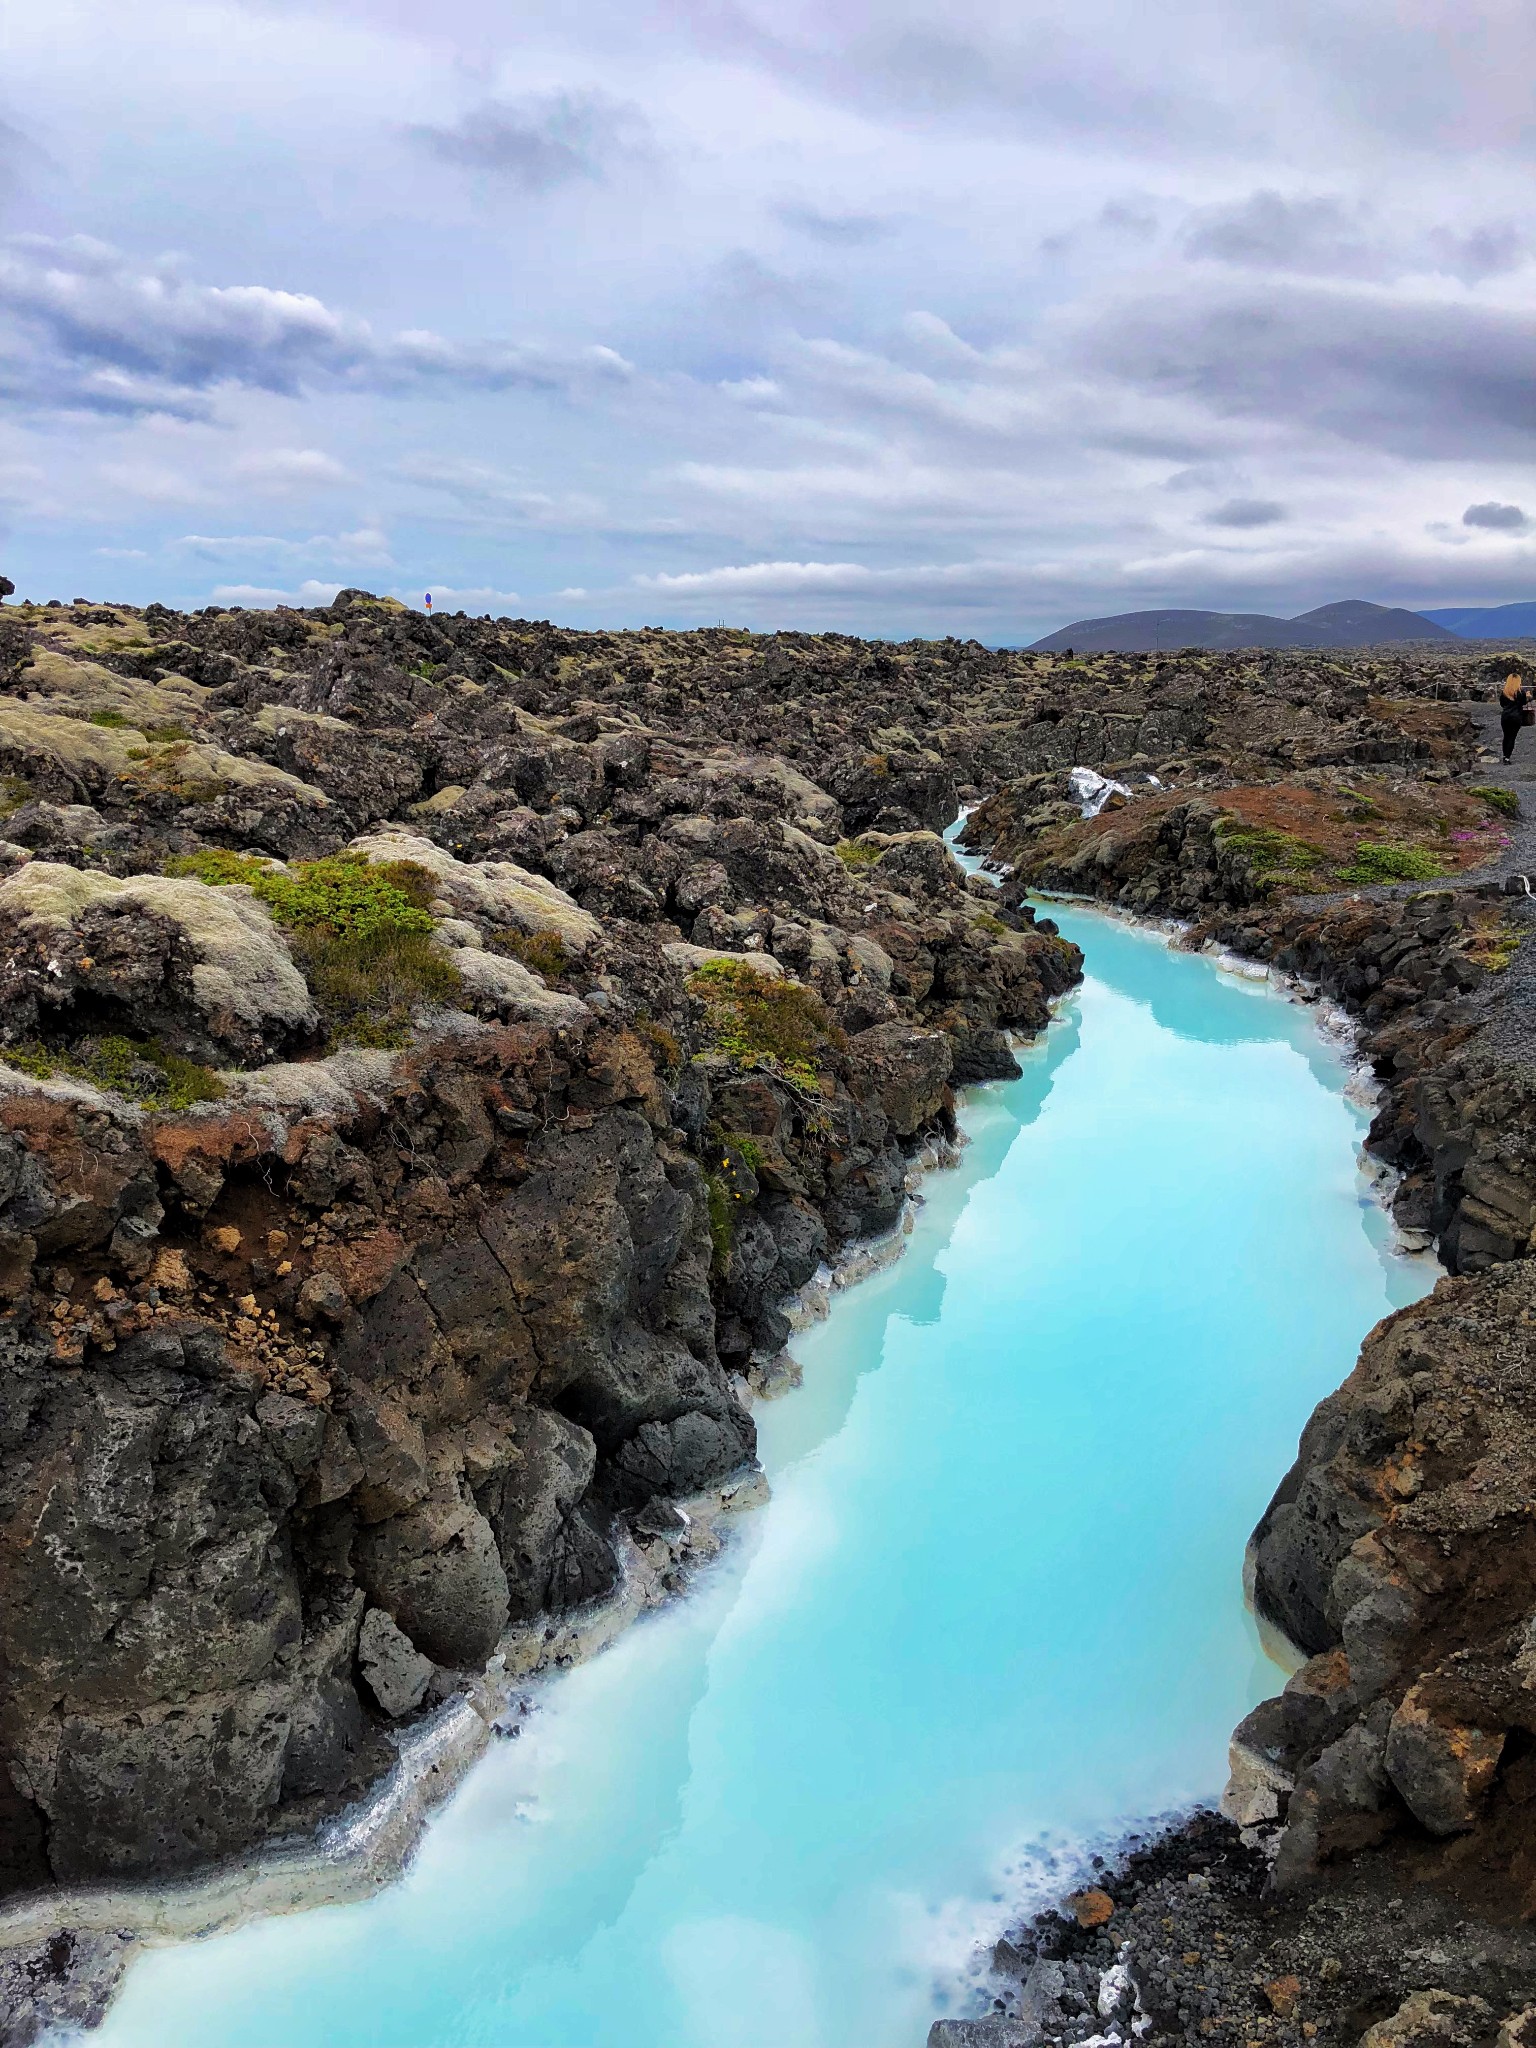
x=1350, y=624
x=1487, y=621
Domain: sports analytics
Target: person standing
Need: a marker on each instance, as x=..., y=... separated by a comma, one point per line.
x=1514, y=709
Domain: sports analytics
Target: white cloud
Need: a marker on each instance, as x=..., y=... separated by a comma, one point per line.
x=367, y=545
x=263, y=596
x=288, y=469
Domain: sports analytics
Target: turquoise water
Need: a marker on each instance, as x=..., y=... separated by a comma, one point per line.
x=992, y=1614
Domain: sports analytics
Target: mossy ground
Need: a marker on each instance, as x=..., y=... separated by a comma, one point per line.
x=856, y=854
x=137, y=1068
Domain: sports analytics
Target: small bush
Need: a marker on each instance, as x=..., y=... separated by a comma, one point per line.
x=856, y=856
x=340, y=894
x=1377, y=861
x=543, y=953
x=752, y=1018
x=136, y=1068
x=722, y=1220
x=361, y=932
x=1505, y=801
x=661, y=1043
x=366, y=984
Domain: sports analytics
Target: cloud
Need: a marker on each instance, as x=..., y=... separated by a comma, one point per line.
x=85, y=327
x=366, y=545
x=1267, y=231
x=282, y=469
x=839, y=230
x=542, y=140
x=447, y=598
x=1498, y=518
x=1414, y=372
x=492, y=491
x=1491, y=250
x=263, y=596
x=982, y=308
x=1245, y=512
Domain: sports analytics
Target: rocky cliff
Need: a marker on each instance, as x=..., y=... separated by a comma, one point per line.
x=424, y=1076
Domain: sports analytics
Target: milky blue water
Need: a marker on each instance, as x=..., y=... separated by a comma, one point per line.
x=993, y=1612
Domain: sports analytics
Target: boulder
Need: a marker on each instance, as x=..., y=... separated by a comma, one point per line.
x=1431, y=2019
x=436, y=1571
x=393, y=1668
x=1441, y=1767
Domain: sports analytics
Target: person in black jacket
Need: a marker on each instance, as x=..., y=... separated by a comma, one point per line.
x=1514, y=707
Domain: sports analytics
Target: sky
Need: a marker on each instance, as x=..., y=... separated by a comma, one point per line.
x=880, y=316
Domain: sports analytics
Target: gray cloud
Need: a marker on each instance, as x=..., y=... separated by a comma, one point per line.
x=1244, y=512
x=1499, y=518
x=1418, y=375
x=85, y=327
x=838, y=229
x=1492, y=250
x=1267, y=231
x=542, y=140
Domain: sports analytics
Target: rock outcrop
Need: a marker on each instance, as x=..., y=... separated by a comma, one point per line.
x=419, y=1097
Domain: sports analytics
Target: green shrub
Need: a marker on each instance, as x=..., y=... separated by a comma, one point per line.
x=360, y=930
x=662, y=1044
x=342, y=894
x=366, y=984
x=544, y=953
x=137, y=1068
x=752, y=1018
x=722, y=1222
x=1377, y=861
x=1504, y=801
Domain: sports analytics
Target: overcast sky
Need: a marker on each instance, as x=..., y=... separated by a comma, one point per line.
x=908, y=316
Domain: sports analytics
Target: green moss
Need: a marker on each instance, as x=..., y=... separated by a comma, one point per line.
x=173, y=729
x=544, y=953
x=15, y=790
x=752, y=1018
x=984, y=921
x=1505, y=801
x=856, y=855
x=1271, y=855
x=137, y=1068
x=1377, y=861
x=114, y=721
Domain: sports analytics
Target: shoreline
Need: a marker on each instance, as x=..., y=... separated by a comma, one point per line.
x=368, y=1845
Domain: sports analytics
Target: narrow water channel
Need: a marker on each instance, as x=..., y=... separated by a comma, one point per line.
x=992, y=1614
